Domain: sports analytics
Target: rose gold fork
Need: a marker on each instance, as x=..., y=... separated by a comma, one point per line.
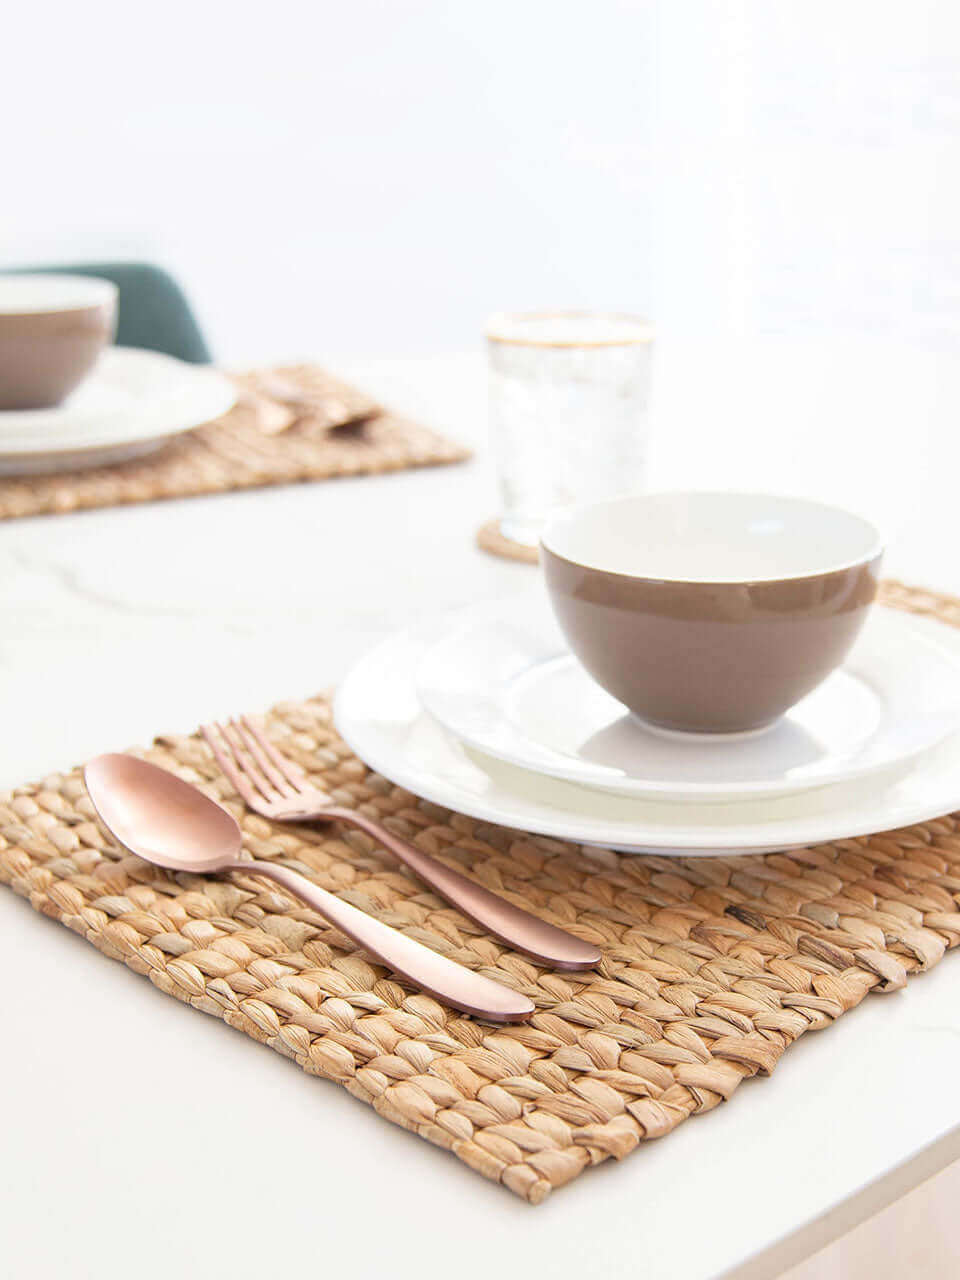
x=275, y=787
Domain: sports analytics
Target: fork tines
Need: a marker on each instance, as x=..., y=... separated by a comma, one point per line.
x=252, y=763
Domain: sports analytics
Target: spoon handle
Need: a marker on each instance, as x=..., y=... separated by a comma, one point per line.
x=545, y=942
x=448, y=981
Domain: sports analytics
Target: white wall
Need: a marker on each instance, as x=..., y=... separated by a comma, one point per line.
x=340, y=174
x=348, y=176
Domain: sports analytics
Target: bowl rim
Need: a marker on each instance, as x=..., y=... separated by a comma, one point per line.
x=101, y=292
x=871, y=556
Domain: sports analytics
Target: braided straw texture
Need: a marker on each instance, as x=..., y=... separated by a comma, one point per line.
x=711, y=969
x=334, y=431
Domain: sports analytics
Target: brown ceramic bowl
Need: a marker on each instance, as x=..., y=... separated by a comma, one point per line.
x=710, y=612
x=52, y=329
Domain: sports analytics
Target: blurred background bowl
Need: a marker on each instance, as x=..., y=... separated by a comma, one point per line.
x=52, y=331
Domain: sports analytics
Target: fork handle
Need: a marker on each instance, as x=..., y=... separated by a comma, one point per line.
x=450, y=982
x=517, y=928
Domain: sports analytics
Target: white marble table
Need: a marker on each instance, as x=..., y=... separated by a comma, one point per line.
x=122, y=623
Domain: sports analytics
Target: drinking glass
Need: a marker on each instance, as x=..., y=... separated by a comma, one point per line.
x=569, y=394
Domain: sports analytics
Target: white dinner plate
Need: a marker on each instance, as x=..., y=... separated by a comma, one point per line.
x=132, y=403
x=379, y=715
x=503, y=680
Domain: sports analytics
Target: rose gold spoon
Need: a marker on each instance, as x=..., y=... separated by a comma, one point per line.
x=276, y=787
x=165, y=821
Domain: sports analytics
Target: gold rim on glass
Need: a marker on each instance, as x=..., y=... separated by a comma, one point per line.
x=625, y=330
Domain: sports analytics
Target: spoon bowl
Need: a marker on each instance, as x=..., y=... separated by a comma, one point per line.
x=160, y=817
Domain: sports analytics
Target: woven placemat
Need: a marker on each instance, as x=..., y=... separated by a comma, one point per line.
x=712, y=967
x=292, y=423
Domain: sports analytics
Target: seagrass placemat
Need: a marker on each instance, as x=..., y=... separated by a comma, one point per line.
x=293, y=423
x=712, y=967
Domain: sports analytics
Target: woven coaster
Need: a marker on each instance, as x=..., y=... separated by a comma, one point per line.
x=290, y=424
x=490, y=537
x=712, y=967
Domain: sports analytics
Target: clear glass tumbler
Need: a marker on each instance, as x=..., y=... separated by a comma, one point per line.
x=569, y=393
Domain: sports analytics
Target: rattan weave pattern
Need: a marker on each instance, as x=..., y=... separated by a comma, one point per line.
x=347, y=435
x=712, y=967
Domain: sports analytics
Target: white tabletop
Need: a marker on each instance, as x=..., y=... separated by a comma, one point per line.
x=134, y=1135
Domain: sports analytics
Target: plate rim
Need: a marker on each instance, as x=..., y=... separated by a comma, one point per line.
x=459, y=621
x=764, y=835
x=215, y=389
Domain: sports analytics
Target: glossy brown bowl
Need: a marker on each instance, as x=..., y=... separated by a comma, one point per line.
x=710, y=612
x=52, y=330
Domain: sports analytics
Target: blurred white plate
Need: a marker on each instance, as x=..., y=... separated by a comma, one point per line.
x=379, y=715
x=503, y=680
x=131, y=404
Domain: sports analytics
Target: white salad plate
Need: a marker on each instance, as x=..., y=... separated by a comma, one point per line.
x=132, y=403
x=379, y=714
x=503, y=680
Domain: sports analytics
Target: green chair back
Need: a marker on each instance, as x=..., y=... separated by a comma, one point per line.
x=152, y=309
